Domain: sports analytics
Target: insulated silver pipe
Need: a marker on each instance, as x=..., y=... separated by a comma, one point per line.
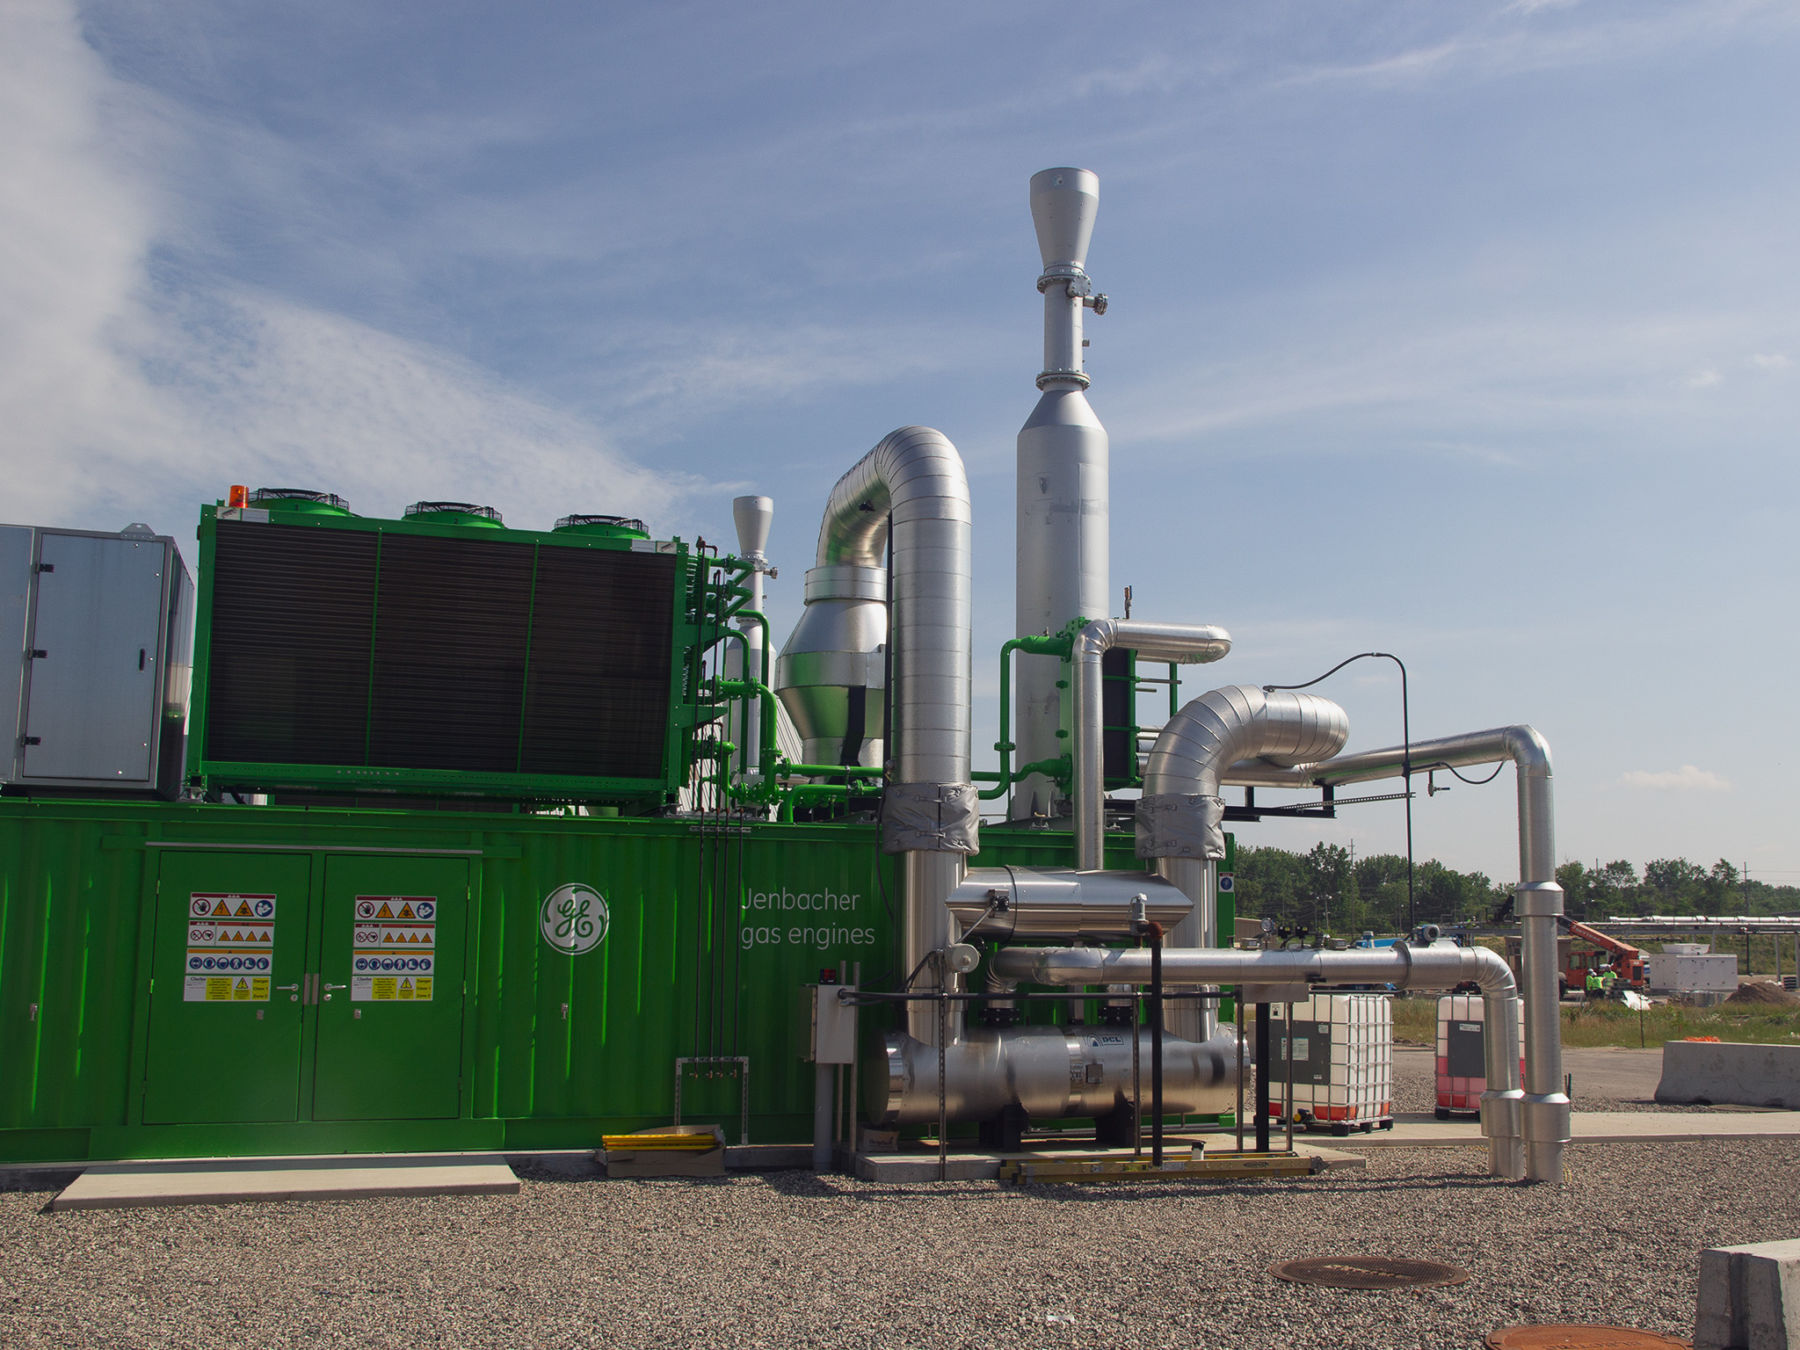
x=1188, y=644
x=1180, y=815
x=1062, y=491
x=1283, y=976
x=1055, y=905
x=910, y=495
x=1538, y=898
x=1050, y=1073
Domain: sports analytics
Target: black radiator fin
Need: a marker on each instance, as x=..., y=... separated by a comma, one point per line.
x=598, y=699
x=292, y=615
x=395, y=651
x=450, y=630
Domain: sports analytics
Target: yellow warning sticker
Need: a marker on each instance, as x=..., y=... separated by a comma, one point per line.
x=386, y=912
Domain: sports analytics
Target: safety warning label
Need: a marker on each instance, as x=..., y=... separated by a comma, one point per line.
x=392, y=948
x=230, y=948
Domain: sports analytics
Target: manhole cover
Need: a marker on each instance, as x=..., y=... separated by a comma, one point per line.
x=1368, y=1272
x=1576, y=1336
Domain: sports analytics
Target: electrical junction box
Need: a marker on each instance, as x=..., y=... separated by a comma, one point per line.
x=833, y=1025
x=97, y=697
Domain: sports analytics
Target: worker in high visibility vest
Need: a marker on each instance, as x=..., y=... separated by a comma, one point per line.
x=1596, y=988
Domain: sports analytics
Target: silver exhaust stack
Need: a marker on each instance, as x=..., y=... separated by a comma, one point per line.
x=1063, y=496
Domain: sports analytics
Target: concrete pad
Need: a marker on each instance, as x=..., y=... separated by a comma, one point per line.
x=1730, y=1071
x=1593, y=1127
x=1749, y=1298
x=914, y=1168
x=224, y=1181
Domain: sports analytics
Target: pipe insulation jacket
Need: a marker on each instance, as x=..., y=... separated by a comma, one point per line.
x=1187, y=644
x=1280, y=976
x=910, y=495
x=1538, y=899
x=1180, y=816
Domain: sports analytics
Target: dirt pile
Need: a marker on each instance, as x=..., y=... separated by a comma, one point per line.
x=1764, y=993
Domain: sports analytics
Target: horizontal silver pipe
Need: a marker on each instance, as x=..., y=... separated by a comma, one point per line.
x=1184, y=643
x=1050, y=1073
x=1539, y=899
x=1288, y=976
x=1055, y=904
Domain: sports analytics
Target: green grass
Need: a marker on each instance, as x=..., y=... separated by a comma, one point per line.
x=1591, y=1024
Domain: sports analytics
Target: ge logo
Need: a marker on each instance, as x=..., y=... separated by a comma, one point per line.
x=574, y=918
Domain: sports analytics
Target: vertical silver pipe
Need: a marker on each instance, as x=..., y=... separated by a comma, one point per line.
x=1063, y=497
x=1538, y=899
x=1196, y=745
x=911, y=493
x=1546, y=1108
x=753, y=516
x=1188, y=644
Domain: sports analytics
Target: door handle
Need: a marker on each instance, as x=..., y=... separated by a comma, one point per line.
x=329, y=988
x=294, y=989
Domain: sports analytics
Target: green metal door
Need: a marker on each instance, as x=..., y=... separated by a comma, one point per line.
x=226, y=1016
x=390, y=1015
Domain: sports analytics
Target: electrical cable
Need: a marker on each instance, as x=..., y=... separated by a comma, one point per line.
x=1472, y=782
x=1406, y=764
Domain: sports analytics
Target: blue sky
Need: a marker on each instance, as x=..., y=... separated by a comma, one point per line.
x=1468, y=332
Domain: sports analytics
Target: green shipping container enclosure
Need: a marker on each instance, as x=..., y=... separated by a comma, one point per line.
x=195, y=979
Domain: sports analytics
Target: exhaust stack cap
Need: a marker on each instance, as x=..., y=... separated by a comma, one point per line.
x=753, y=516
x=1064, y=203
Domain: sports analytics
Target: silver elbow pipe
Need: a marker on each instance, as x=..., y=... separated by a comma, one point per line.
x=910, y=495
x=1538, y=900
x=1187, y=644
x=1179, y=818
x=1280, y=975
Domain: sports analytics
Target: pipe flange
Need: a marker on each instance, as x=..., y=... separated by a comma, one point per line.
x=1538, y=900
x=845, y=581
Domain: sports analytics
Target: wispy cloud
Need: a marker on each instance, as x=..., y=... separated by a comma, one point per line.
x=1535, y=35
x=1687, y=778
x=130, y=385
x=1770, y=361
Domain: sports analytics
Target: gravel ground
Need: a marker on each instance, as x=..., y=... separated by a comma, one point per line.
x=786, y=1259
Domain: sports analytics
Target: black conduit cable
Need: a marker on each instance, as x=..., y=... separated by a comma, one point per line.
x=1406, y=764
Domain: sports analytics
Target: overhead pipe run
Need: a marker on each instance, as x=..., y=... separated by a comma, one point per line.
x=1187, y=644
x=1180, y=816
x=1283, y=976
x=1538, y=899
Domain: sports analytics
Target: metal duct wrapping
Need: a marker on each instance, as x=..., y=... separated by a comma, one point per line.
x=912, y=487
x=1063, y=499
x=1538, y=898
x=1281, y=975
x=1188, y=644
x=1181, y=816
x=1050, y=1073
x=1054, y=904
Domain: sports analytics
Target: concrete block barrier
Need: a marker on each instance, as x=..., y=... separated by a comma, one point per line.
x=1743, y=1075
x=1749, y=1298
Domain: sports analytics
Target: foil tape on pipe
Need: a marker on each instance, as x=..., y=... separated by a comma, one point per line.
x=930, y=818
x=1181, y=825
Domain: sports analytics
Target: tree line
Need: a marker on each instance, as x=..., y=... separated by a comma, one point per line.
x=1328, y=890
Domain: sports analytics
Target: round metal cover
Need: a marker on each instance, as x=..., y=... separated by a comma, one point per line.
x=1578, y=1336
x=1368, y=1272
